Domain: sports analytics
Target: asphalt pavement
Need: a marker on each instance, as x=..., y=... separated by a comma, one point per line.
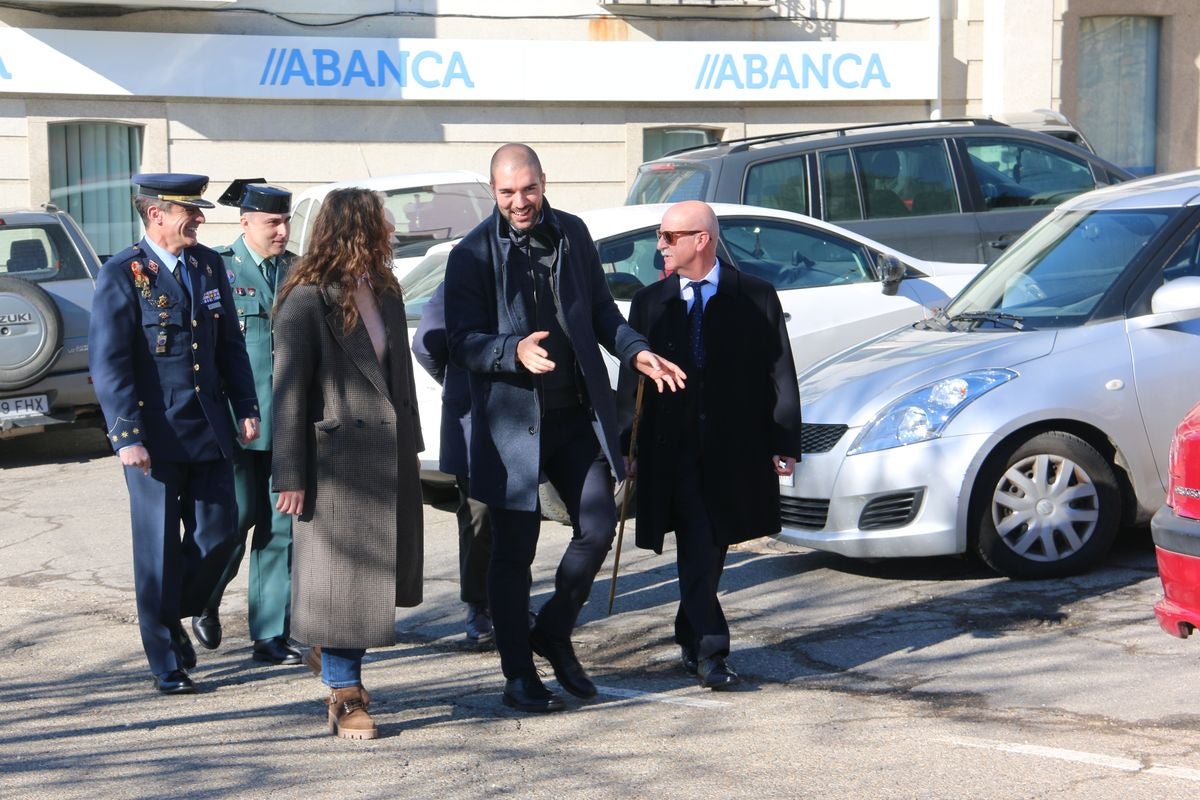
x=923, y=678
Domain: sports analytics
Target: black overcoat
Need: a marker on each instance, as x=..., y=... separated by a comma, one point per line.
x=751, y=407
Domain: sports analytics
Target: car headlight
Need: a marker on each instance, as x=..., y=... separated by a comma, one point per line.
x=924, y=413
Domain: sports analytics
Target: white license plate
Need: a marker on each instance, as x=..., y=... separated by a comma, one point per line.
x=30, y=406
x=787, y=480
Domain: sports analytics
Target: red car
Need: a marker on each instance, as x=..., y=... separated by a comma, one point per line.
x=1176, y=529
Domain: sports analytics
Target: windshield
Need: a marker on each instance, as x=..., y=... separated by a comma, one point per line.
x=426, y=215
x=1056, y=275
x=668, y=182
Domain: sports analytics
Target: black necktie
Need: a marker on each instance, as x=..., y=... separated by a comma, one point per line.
x=695, y=326
x=181, y=275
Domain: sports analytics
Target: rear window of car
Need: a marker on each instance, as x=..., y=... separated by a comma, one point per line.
x=39, y=252
x=669, y=182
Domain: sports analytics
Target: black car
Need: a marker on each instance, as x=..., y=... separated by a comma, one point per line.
x=945, y=190
x=47, y=279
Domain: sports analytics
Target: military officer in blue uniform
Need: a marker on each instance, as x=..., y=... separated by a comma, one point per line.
x=256, y=265
x=167, y=360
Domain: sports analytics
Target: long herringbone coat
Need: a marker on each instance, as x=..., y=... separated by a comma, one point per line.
x=350, y=440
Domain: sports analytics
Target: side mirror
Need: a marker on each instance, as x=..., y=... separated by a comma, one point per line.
x=1180, y=296
x=891, y=271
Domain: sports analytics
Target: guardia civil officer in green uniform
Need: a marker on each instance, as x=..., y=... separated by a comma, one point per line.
x=256, y=265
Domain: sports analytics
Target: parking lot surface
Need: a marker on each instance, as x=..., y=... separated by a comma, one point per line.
x=900, y=679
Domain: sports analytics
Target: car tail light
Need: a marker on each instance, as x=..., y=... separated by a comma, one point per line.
x=662, y=167
x=1183, y=483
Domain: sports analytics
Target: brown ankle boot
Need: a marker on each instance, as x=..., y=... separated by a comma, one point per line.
x=348, y=717
x=312, y=659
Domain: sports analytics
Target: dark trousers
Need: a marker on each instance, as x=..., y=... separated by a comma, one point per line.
x=474, y=545
x=699, y=622
x=183, y=519
x=270, y=594
x=572, y=461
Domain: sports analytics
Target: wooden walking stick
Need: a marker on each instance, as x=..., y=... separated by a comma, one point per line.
x=629, y=482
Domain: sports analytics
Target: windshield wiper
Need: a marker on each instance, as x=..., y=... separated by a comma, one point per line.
x=1014, y=321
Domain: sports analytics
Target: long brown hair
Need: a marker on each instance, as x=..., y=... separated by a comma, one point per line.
x=350, y=243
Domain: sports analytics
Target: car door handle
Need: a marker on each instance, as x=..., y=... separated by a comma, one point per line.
x=1001, y=243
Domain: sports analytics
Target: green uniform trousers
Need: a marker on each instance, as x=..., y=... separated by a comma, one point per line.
x=270, y=594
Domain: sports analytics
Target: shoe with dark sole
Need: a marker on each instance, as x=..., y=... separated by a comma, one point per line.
x=529, y=694
x=207, y=628
x=182, y=646
x=689, y=660
x=275, y=651
x=567, y=669
x=174, y=682
x=715, y=674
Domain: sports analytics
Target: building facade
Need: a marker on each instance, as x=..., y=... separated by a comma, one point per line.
x=302, y=92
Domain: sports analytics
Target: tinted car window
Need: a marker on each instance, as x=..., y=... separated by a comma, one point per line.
x=907, y=179
x=792, y=256
x=778, y=184
x=39, y=253
x=1184, y=262
x=1015, y=173
x=630, y=262
x=669, y=182
x=839, y=188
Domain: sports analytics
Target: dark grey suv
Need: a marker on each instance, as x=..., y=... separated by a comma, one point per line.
x=47, y=274
x=946, y=190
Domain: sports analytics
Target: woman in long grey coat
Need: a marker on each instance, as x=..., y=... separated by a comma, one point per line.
x=346, y=442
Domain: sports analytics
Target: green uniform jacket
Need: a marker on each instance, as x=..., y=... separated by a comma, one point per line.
x=254, y=299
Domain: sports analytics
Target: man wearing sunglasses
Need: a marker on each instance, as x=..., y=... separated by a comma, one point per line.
x=709, y=458
x=527, y=310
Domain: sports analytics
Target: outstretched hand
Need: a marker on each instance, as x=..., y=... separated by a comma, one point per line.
x=659, y=370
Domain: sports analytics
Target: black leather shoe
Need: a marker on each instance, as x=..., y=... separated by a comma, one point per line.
x=688, y=658
x=182, y=646
x=275, y=651
x=715, y=674
x=527, y=693
x=567, y=668
x=174, y=682
x=207, y=628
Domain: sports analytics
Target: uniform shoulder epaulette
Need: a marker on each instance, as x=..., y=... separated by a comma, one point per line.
x=225, y=250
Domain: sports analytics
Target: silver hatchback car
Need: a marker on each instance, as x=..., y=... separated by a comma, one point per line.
x=1033, y=417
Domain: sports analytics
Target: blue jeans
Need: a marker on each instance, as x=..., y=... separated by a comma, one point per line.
x=341, y=666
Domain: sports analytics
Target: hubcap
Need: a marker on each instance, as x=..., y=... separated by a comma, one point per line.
x=1045, y=508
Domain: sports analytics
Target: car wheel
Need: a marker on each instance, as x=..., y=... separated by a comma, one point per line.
x=31, y=333
x=1051, y=507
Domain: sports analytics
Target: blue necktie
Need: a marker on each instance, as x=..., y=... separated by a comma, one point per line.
x=695, y=327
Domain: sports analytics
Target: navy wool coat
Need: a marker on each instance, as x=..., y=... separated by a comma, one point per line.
x=487, y=314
